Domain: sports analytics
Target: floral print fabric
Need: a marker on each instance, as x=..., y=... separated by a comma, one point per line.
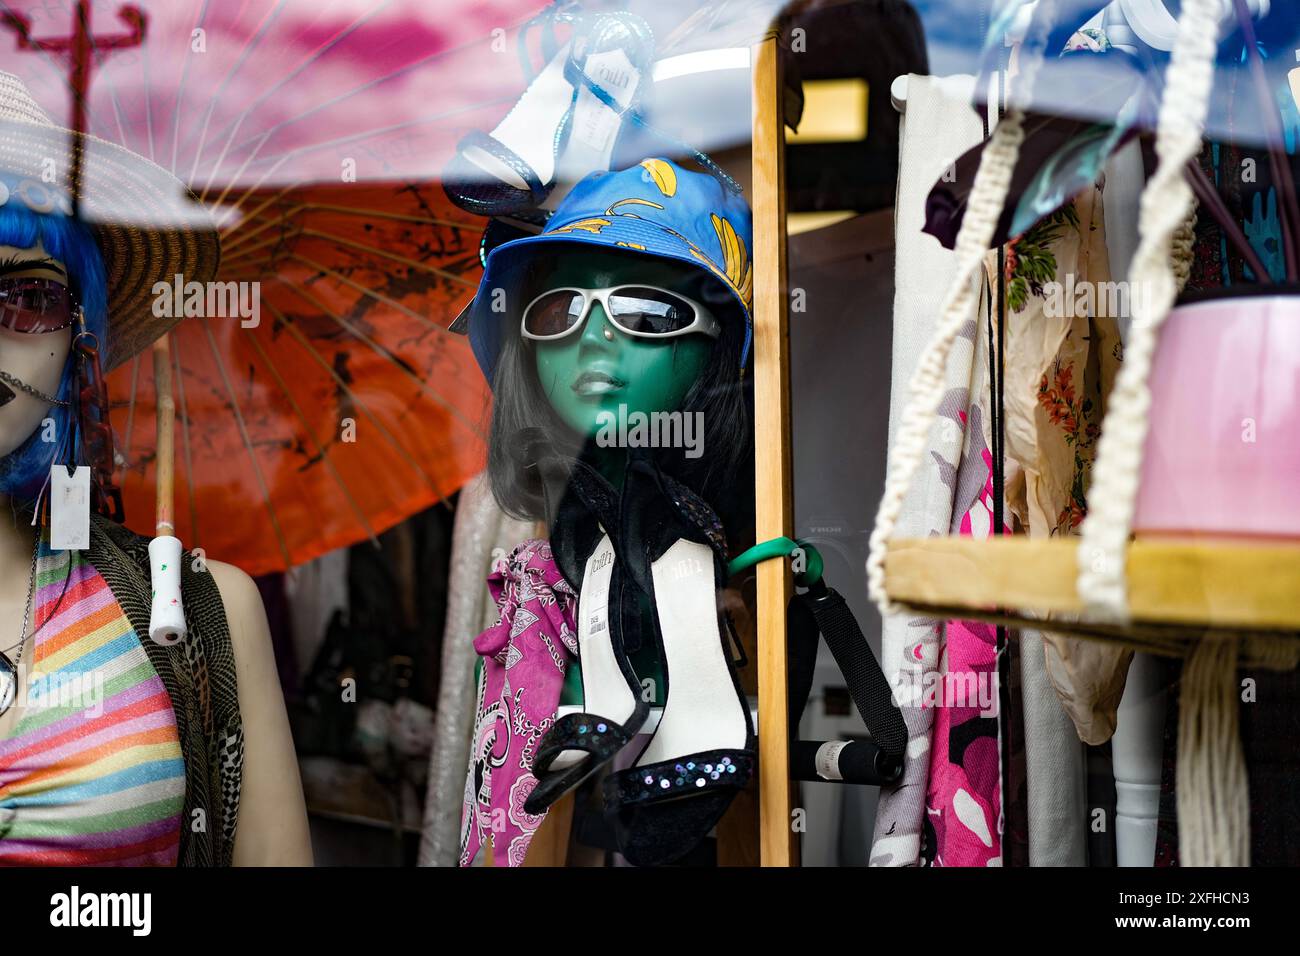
x=1063, y=352
x=524, y=658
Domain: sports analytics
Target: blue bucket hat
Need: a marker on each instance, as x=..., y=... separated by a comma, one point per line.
x=655, y=208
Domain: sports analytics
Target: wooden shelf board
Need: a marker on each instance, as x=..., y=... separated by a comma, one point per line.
x=1194, y=583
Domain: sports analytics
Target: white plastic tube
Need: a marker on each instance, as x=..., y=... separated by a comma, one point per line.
x=167, y=614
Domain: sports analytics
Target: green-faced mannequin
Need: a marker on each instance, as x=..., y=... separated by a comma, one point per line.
x=645, y=375
x=600, y=367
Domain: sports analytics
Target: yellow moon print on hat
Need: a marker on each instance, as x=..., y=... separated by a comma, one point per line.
x=738, y=271
x=593, y=226
x=663, y=175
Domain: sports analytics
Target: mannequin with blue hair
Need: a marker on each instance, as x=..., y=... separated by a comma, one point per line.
x=53, y=252
x=147, y=754
x=32, y=436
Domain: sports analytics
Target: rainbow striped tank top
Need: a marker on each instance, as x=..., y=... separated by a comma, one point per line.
x=92, y=774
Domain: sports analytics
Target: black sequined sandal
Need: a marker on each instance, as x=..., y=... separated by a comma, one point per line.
x=578, y=745
x=702, y=753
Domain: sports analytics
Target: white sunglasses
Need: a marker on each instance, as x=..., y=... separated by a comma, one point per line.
x=644, y=311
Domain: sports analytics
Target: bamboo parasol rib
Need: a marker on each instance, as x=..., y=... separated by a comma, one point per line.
x=374, y=250
x=368, y=292
x=280, y=159
x=390, y=266
x=180, y=90
x=294, y=211
x=233, y=127
x=219, y=93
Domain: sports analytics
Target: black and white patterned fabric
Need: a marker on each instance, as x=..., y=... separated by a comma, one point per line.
x=199, y=674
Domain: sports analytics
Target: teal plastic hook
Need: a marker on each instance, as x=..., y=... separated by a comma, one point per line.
x=809, y=576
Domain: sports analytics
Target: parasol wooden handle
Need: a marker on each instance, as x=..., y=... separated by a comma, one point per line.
x=165, y=462
x=166, y=614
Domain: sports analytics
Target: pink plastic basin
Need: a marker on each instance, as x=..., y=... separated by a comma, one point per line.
x=1223, y=452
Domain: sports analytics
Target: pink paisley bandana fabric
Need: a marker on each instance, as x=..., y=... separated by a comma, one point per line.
x=524, y=657
x=963, y=805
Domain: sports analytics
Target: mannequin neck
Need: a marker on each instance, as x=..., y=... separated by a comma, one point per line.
x=610, y=462
x=15, y=541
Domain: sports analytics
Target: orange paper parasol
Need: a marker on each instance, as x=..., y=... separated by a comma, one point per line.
x=314, y=131
x=346, y=408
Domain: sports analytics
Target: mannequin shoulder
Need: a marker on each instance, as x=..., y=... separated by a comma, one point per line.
x=245, y=612
x=232, y=582
x=272, y=827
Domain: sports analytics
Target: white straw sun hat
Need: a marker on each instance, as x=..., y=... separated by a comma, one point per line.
x=150, y=228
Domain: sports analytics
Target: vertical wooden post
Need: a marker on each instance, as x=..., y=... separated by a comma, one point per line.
x=773, y=518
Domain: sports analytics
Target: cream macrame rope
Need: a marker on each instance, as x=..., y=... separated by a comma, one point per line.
x=925, y=390
x=1166, y=203
x=1210, y=783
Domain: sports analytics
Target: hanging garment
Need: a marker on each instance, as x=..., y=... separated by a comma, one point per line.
x=1015, y=787
x=384, y=633
x=315, y=591
x=524, y=658
x=483, y=534
x=273, y=591
x=937, y=128
x=1244, y=179
x=964, y=793
x=398, y=601
x=1063, y=352
x=1055, y=767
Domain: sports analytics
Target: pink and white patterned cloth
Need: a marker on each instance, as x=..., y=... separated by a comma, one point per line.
x=524, y=657
x=963, y=803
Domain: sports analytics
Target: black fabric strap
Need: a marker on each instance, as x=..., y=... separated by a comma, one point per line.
x=866, y=681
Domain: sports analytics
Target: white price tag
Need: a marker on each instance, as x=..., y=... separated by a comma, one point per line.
x=828, y=759
x=69, y=508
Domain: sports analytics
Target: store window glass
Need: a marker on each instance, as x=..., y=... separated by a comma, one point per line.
x=837, y=433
